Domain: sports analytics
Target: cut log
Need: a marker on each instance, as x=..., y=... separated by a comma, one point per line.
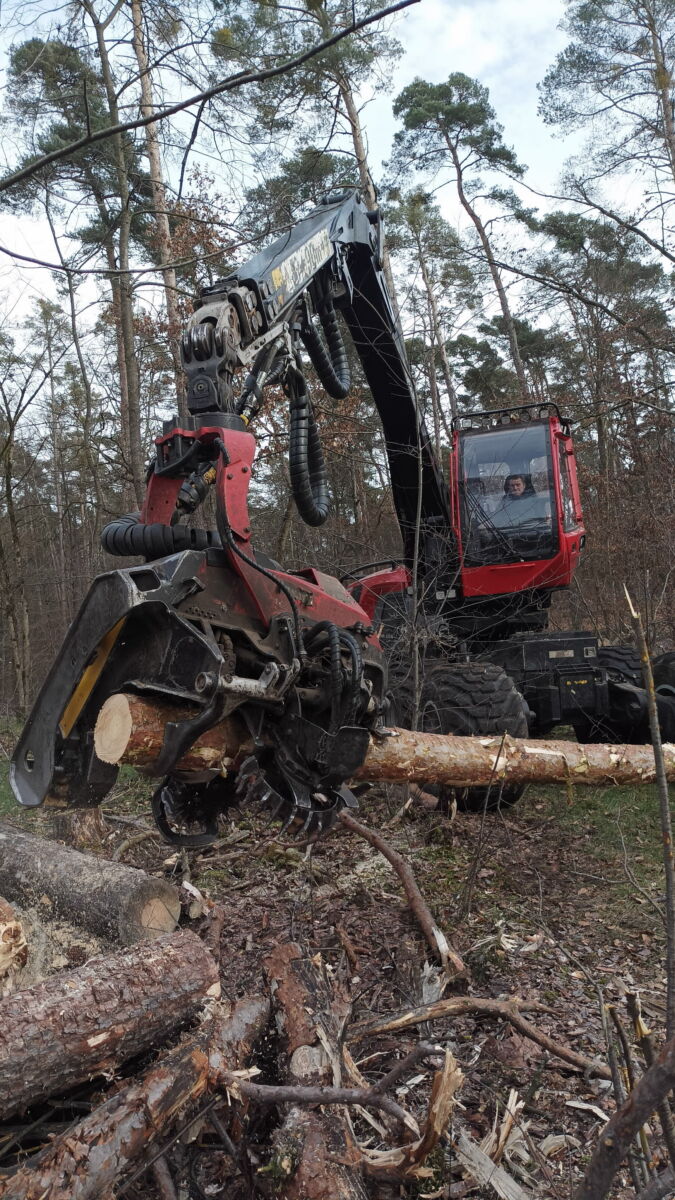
x=313, y=1150
x=111, y=900
x=131, y=730
x=85, y=1161
x=81, y=1023
x=13, y=948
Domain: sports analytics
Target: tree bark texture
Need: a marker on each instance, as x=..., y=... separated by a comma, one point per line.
x=111, y=900
x=84, y=1162
x=313, y=1147
x=423, y=758
x=83, y=1022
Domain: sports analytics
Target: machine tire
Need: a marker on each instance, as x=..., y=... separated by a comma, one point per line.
x=664, y=670
x=622, y=663
x=473, y=699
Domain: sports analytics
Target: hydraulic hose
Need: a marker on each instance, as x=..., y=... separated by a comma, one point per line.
x=126, y=537
x=326, y=631
x=309, y=481
x=329, y=359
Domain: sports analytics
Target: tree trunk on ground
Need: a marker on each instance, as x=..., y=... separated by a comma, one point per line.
x=403, y=757
x=84, y=1162
x=83, y=1022
x=107, y=898
x=312, y=1148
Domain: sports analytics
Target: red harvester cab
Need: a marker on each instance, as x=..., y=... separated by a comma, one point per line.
x=516, y=510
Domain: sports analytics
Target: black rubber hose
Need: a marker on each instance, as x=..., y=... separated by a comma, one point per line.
x=126, y=537
x=354, y=651
x=328, y=631
x=329, y=359
x=307, y=469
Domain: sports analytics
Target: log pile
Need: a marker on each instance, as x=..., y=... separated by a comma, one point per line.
x=145, y=1037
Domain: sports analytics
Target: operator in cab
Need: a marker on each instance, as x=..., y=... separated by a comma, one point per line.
x=517, y=486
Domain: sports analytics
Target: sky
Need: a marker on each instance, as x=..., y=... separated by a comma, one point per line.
x=507, y=44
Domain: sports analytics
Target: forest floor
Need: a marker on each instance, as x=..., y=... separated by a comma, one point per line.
x=538, y=900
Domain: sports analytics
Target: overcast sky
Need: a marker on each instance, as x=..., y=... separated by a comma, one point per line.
x=506, y=44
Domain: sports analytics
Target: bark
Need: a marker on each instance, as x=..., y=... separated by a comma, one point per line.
x=313, y=1151
x=88, y=1159
x=111, y=900
x=84, y=1022
x=403, y=757
x=131, y=730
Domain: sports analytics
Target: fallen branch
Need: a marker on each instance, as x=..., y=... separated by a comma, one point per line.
x=87, y=1021
x=407, y=1162
x=111, y=900
x=311, y=1097
x=130, y=729
x=462, y=1006
x=85, y=1161
x=436, y=940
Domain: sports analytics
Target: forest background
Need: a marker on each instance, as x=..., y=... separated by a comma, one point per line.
x=511, y=285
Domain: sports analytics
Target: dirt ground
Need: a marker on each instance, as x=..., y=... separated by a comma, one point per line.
x=539, y=902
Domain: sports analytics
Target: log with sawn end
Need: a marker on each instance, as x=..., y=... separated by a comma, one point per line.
x=84, y=1162
x=87, y=1021
x=131, y=729
x=109, y=899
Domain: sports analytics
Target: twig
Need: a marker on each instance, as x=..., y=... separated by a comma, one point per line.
x=664, y=808
x=133, y=840
x=618, y=1133
x=461, y=1006
x=646, y=1155
x=644, y=1041
x=423, y=1050
x=619, y=1095
x=436, y=939
x=240, y=79
x=267, y=1094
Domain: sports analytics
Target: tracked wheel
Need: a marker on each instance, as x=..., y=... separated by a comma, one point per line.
x=469, y=699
